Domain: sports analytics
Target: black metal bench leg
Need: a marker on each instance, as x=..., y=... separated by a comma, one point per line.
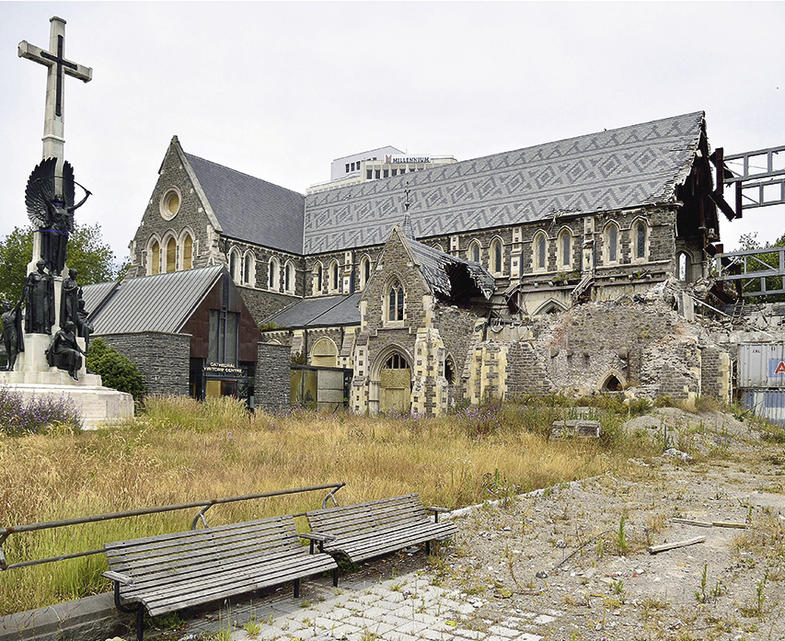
x=427, y=548
x=297, y=588
x=335, y=577
x=140, y=623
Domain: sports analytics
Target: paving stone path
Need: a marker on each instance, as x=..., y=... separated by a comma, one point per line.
x=406, y=608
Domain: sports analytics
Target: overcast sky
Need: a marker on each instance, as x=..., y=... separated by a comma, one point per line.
x=279, y=90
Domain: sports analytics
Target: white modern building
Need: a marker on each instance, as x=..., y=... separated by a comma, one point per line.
x=383, y=162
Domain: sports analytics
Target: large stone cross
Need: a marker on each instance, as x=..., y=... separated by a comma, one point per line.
x=54, y=59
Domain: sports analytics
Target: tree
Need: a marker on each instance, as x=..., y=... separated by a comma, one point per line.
x=749, y=242
x=87, y=253
x=117, y=371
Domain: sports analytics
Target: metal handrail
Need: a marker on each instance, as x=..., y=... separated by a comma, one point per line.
x=205, y=505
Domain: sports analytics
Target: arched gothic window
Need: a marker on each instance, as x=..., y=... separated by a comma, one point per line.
x=565, y=248
x=497, y=257
x=273, y=274
x=395, y=301
x=474, y=251
x=317, y=276
x=334, y=276
x=288, y=277
x=684, y=267
x=188, y=252
x=365, y=271
x=249, y=269
x=612, y=243
x=540, y=252
x=324, y=353
x=171, y=255
x=233, y=265
x=641, y=232
x=155, y=258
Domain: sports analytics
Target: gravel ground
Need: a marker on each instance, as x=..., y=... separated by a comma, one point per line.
x=563, y=550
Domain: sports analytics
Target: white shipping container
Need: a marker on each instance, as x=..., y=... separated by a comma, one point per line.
x=769, y=404
x=761, y=365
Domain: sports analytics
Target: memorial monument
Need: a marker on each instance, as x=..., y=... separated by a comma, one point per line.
x=46, y=359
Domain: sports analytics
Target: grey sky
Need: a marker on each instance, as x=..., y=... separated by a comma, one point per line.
x=279, y=90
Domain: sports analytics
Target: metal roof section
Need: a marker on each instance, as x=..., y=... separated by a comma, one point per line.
x=95, y=295
x=322, y=311
x=251, y=209
x=159, y=303
x=609, y=170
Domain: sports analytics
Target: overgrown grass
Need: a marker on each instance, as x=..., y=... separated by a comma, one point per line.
x=180, y=450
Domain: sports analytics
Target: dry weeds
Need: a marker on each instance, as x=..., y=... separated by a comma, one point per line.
x=181, y=451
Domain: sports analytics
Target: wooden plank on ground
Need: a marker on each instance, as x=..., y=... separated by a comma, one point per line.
x=693, y=522
x=654, y=549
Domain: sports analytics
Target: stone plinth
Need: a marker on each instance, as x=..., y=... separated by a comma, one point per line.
x=33, y=378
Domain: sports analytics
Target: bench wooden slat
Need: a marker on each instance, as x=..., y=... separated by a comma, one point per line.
x=181, y=569
x=395, y=512
x=192, y=600
x=185, y=573
x=195, y=538
x=369, y=529
x=261, y=573
x=341, y=513
x=356, y=506
x=203, y=591
x=370, y=517
x=261, y=525
x=190, y=557
x=402, y=535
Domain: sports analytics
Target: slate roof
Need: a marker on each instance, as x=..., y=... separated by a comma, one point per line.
x=436, y=267
x=610, y=170
x=159, y=303
x=252, y=209
x=322, y=311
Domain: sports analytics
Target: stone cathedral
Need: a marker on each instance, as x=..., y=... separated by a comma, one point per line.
x=552, y=268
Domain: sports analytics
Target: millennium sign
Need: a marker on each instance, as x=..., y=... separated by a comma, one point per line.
x=405, y=160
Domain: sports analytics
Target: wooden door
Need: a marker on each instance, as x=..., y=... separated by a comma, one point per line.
x=396, y=390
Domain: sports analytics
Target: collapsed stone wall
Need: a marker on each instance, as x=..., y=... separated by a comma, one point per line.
x=643, y=347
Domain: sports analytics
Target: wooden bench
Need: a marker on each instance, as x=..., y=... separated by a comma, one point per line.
x=175, y=571
x=370, y=529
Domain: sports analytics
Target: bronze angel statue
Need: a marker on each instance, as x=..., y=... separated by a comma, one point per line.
x=51, y=210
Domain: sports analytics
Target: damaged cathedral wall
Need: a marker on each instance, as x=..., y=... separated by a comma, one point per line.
x=643, y=347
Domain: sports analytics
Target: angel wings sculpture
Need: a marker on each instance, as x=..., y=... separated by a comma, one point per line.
x=51, y=210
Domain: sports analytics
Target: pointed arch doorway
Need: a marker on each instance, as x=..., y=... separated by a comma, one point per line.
x=395, y=384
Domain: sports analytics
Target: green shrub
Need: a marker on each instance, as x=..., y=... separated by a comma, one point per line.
x=117, y=371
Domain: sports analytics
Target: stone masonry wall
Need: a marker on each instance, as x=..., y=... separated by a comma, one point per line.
x=456, y=327
x=273, y=378
x=162, y=359
x=191, y=216
x=263, y=304
x=715, y=374
x=525, y=373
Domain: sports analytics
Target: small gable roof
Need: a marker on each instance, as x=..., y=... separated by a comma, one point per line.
x=158, y=303
x=610, y=170
x=251, y=209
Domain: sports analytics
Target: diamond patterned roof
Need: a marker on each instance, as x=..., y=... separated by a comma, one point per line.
x=610, y=170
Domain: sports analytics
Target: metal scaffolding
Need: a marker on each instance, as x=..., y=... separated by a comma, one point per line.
x=760, y=174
